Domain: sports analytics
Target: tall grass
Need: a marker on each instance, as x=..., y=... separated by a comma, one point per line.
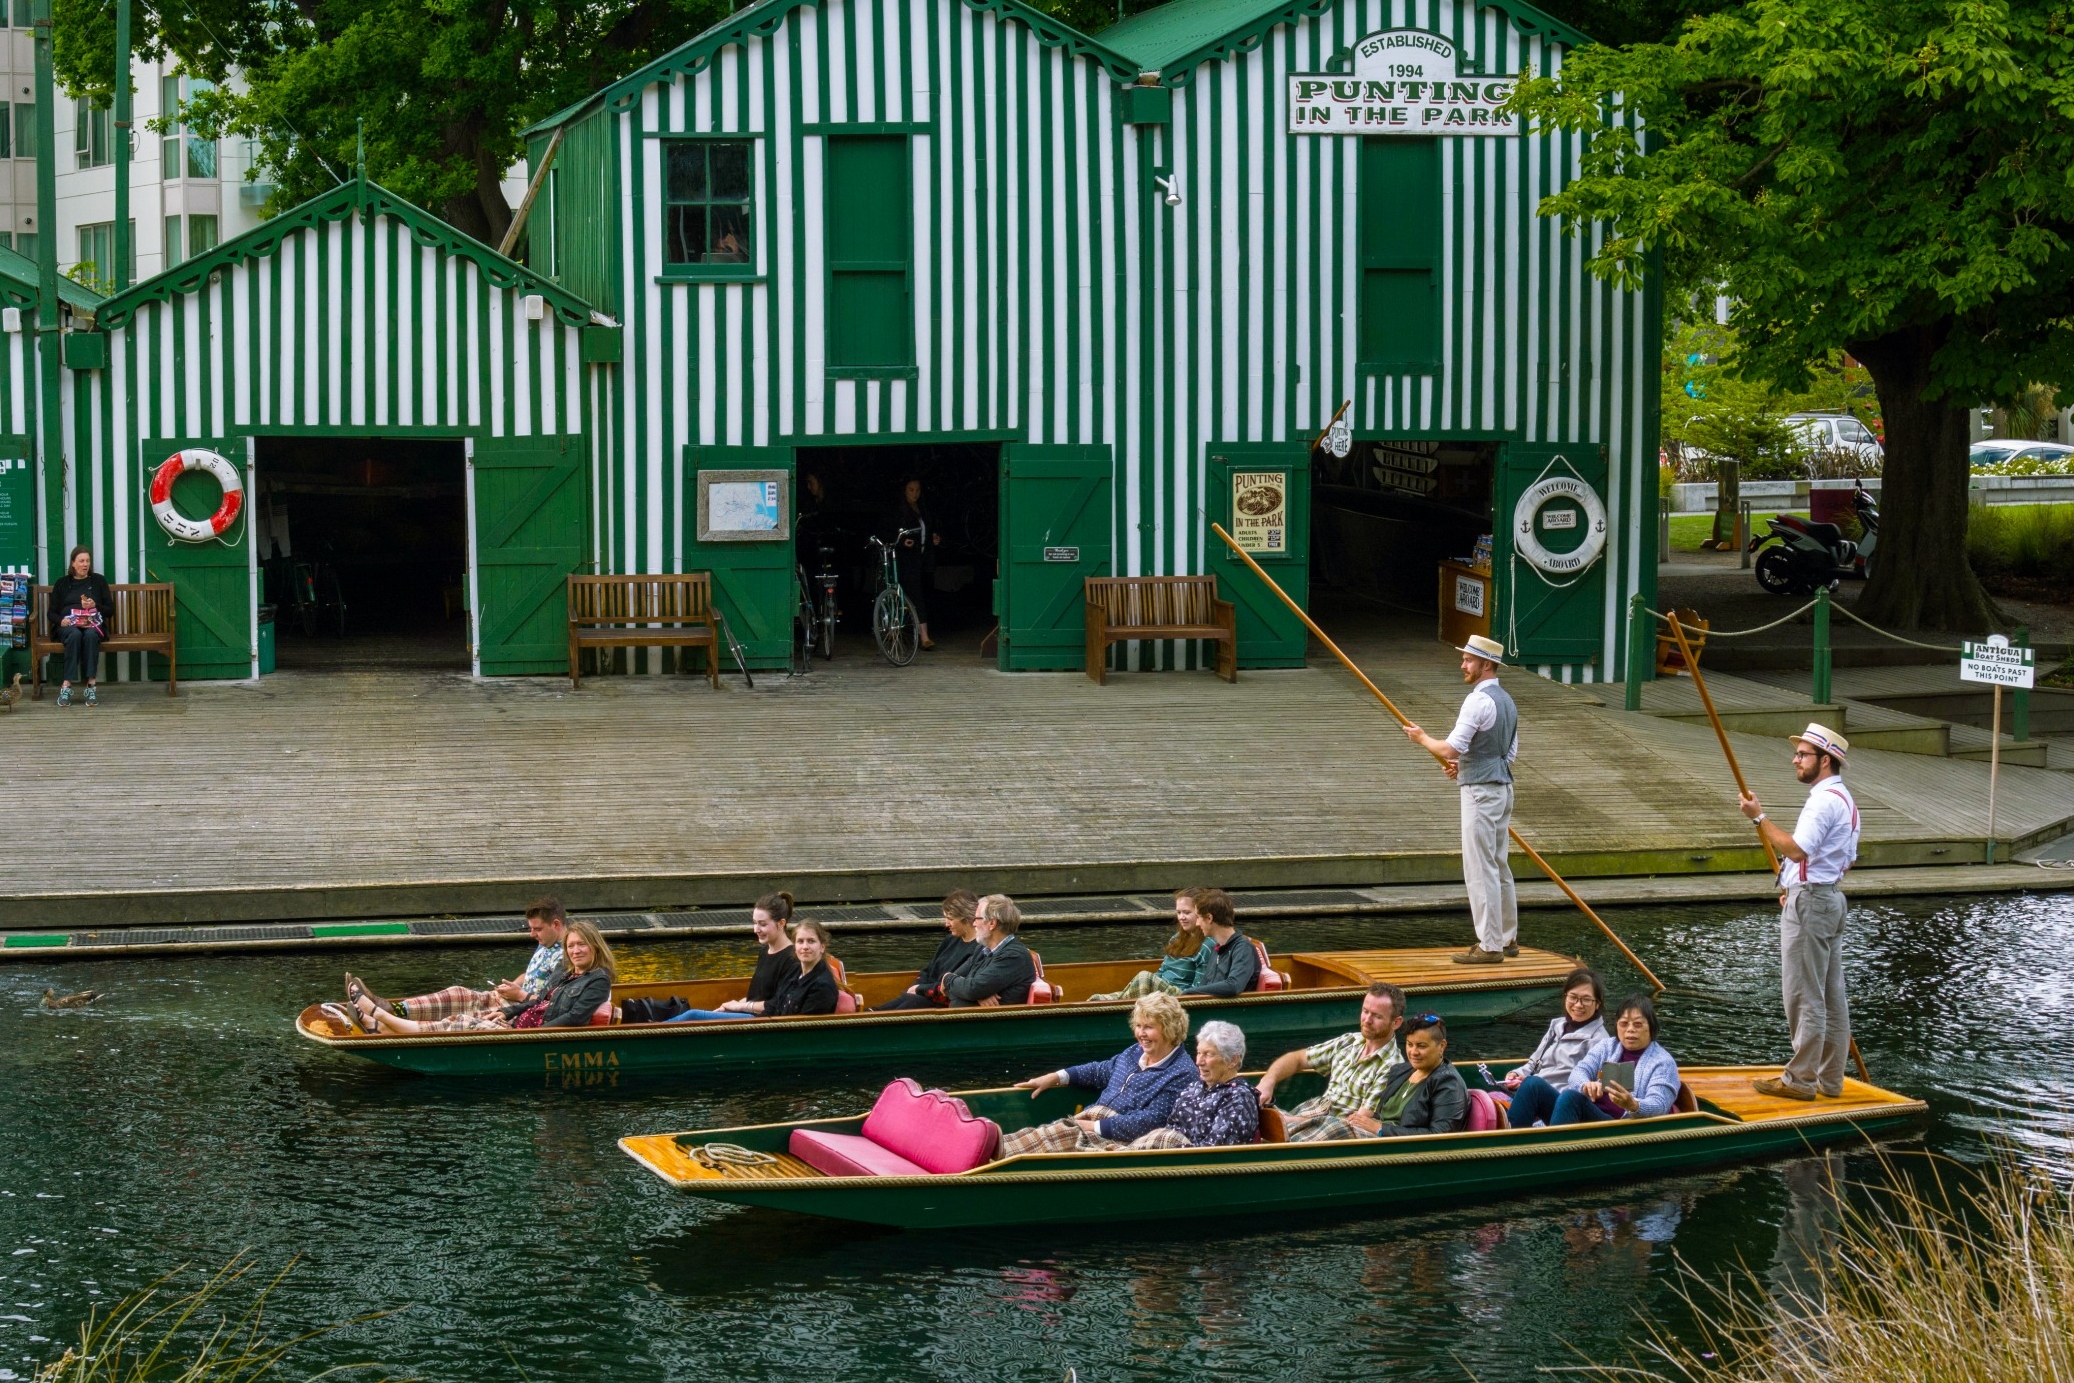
x=1974, y=1285
x=162, y=1334
x=2027, y=540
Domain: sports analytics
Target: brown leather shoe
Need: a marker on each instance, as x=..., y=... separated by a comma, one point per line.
x=1477, y=955
x=1778, y=1089
x=1512, y=950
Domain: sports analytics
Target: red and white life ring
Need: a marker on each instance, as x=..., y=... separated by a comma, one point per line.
x=179, y=525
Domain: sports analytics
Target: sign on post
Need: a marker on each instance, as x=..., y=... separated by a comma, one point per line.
x=1997, y=662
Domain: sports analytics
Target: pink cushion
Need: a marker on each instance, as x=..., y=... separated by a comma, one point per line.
x=1483, y=1112
x=930, y=1129
x=847, y=1155
x=845, y=1002
x=601, y=1016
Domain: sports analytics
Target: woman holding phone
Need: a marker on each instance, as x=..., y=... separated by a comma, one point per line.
x=80, y=606
x=1535, y=1083
x=1596, y=1089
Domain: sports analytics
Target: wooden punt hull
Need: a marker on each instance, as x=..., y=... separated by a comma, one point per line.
x=1733, y=1124
x=1325, y=1000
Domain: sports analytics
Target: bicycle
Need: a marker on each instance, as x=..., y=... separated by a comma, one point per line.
x=814, y=620
x=894, y=623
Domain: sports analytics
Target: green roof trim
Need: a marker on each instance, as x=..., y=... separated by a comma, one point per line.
x=367, y=198
x=1175, y=38
x=763, y=18
x=21, y=271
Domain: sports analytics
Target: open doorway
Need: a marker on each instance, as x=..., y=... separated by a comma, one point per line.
x=1389, y=515
x=364, y=550
x=845, y=495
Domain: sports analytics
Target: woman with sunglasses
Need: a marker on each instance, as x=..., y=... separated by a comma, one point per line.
x=1422, y=1094
x=1569, y=1039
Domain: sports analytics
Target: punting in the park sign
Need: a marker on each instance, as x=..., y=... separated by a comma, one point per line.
x=1405, y=81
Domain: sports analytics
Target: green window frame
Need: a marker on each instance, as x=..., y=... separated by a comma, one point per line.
x=709, y=208
x=1399, y=250
x=867, y=215
x=181, y=145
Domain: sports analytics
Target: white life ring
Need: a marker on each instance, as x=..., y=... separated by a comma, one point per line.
x=1528, y=544
x=179, y=525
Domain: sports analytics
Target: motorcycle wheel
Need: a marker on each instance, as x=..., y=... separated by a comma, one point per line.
x=1776, y=571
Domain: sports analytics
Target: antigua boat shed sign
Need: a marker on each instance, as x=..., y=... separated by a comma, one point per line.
x=1404, y=81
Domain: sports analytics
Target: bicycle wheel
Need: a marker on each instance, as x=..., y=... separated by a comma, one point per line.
x=826, y=625
x=893, y=625
x=802, y=628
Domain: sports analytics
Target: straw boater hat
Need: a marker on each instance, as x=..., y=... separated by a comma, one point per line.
x=1825, y=739
x=1490, y=650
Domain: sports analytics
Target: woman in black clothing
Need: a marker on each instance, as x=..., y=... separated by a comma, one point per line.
x=569, y=1003
x=916, y=555
x=1422, y=1093
x=770, y=917
x=812, y=987
x=80, y=606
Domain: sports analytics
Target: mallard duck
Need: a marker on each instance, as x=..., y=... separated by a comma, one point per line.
x=53, y=999
x=12, y=694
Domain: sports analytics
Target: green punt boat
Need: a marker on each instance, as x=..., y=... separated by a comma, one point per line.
x=1727, y=1122
x=1322, y=999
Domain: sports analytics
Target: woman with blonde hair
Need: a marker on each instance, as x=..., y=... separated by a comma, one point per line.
x=1182, y=961
x=568, y=1003
x=1138, y=1086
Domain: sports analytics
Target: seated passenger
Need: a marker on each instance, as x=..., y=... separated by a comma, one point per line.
x=1138, y=1086
x=1356, y=1065
x=1177, y=970
x=957, y=947
x=548, y=923
x=807, y=987
x=1422, y=1095
x=1219, y=1109
x=569, y=1003
x=1229, y=965
x=1587, y=1098
x=768, y=920
x=1001, y=971
x=1581, y=1027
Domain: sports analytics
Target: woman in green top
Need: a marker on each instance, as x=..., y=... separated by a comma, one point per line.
x=1181, y=963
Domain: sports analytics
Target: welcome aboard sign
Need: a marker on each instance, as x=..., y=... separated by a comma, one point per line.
x=1405, y=81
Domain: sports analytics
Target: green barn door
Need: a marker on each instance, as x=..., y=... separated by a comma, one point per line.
x=529, y=506
x=1542, y=617
x=1055, y=533
x=1269, y=635
x=753, y=581
x=213, y=582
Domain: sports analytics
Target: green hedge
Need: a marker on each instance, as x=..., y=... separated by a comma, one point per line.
x=2032, y=540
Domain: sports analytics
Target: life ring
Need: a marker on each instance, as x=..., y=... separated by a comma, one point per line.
x=1528, y=544
x=179, y=525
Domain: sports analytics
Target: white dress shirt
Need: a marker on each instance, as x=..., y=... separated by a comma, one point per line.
x=1479, y=713
x=1828, y=832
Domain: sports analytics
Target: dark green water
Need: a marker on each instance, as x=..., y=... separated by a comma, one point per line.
x=180, y=1120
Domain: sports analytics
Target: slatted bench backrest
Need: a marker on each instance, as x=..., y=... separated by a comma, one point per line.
x=142, y=610
x=685, y=597
x=1150, y=602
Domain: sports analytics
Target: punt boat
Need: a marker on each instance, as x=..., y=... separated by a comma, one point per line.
x=1320, y=996
x=1721, y=1119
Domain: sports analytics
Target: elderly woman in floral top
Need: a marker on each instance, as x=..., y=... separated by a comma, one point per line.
x=1218, y=1109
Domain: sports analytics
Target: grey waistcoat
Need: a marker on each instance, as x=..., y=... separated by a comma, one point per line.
x=1484, y=760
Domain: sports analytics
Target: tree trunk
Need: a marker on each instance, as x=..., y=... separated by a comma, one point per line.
x=481, y=211
x=1921, y=578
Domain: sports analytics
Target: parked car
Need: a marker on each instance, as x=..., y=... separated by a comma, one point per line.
x=1839, y=434
x=2018, y=455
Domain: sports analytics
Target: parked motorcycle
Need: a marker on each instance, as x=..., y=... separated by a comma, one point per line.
x=1800, y=556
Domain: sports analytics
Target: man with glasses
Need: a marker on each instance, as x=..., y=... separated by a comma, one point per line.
x=1355, y=1066
x=1478, y=755
x=1812, y=862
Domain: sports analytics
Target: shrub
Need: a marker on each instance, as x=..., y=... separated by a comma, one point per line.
x=2027, y=540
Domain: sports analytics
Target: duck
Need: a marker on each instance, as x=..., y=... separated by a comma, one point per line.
x=53, y=999
x=12, y=694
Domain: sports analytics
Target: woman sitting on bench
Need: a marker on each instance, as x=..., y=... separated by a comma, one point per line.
x=569, y=1004
x=81, y=607
x=807, y=988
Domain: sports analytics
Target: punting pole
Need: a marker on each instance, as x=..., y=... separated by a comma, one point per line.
x=1402, y=719
x=1699, y=683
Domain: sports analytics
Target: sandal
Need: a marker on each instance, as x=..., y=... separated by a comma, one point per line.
x=356, y=990
x=366, y=1021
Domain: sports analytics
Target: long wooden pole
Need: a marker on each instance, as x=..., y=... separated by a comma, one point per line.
x=1699, y=682
x=1402, y=719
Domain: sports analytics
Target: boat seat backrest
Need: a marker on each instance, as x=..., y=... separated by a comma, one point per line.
x=1484, y=1113
x=1272, y=1129
x=933, y=1130
x=845, y=997
x=1686, y=1102
x=1269, y=979
x=604, y=1015
x=1043, y=991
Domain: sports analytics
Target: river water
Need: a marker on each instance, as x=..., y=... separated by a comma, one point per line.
x=180, y=1121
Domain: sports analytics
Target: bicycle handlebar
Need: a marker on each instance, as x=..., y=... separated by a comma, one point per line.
x=877, y=541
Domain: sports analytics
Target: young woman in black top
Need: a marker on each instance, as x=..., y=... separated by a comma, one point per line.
x=80, y=607
x=569, y=1002
x=770, y=916
x=811, y=988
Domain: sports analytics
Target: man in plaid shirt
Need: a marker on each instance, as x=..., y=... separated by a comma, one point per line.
x=549, y=924
x=1355, y=1065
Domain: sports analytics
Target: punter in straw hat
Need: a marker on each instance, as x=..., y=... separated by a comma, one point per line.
x=1812, y=862
x=1478, y=755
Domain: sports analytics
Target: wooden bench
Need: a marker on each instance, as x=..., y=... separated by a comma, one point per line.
x=142, y=622
x=1120, y=608
x=673, y=611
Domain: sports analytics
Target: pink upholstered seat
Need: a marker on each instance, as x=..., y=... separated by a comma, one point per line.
x=1043, y=991
x=909, y=1132
x=1270, y=979
x=602, y=1015
x=1484, y=1114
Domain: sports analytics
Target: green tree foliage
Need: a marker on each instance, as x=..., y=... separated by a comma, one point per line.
x=1710, y=408
x=1889, y=177
x=441, y=89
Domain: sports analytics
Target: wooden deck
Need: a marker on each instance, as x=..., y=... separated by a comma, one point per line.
x=1728, y=1089
x=371, y=793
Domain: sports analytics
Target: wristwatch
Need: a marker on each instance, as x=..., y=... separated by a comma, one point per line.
x=1757, y=818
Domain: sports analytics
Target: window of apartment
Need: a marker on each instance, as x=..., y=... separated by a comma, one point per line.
x=24, y=129
x=24, y=14
x=1400, y=256
x=97, y=255
x=182, y=152
x=200, y=238
x=6, y=130
x=25, y=243
x=706, y=209
x=93, y=137
x=172, y=242
x=869, y=252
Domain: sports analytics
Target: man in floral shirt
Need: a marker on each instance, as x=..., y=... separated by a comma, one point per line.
x=1355, y=1065
x=548, y=923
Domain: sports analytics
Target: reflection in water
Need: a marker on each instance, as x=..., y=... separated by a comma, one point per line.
x=1810, y=1223
x=180, y=1120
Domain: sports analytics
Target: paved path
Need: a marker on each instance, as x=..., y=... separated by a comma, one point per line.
x=356, y=793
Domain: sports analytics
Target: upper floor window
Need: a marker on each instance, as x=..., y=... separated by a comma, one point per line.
x=1400, y=228
x=183, y=154
x=707, y=211
x=93, y=137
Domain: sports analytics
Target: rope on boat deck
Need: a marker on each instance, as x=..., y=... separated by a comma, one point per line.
x=718, y=1157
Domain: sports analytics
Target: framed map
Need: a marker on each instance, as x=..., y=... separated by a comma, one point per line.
x=745, y=506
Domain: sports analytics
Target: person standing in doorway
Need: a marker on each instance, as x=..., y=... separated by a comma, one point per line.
x=1478, y=755
x=1812, y=862
x=915, y=553
x=81, y=605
